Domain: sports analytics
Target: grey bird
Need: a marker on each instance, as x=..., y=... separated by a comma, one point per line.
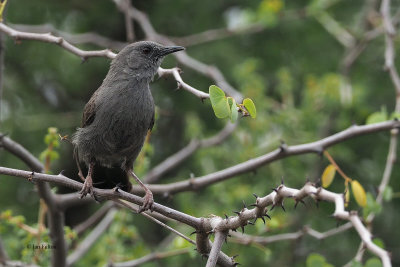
x=119, y=115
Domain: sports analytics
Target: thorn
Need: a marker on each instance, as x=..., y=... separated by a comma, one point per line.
x=236, y=264
x=62, y=173
x=295, y=204
x=244, y=205
x=273, y=206
x=210, y=232
x=255, y=195
x=250, y=222
x=262, y=218
x=234, y=256
x=192, y=233
x=115, y=189
x=237, y=212
x=283, y=207
x=317, y=203
x=274, y=189
x=282, y=180
x=253, y=205
x=226, y=216
x=202, y=99
x=266, y=215
x=30, y=177
x=242, y=229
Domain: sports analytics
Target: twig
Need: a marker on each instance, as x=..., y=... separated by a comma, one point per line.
x=77, y=38
x=150, y=257
x=49, y=38
x=129, y=206
x=88, y=242
x=219, y=239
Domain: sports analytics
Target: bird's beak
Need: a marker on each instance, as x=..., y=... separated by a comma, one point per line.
x=170, y=49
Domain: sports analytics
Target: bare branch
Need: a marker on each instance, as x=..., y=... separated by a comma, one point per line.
x=77, y=38
x=49, y=38
x=151, y=257
x=219, y=239
x=94, y=235
x=390, y=51
x=175, y=72
x=334, y=28
x=283, y=152
x=129, y=206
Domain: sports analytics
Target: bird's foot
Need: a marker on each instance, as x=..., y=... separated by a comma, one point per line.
x=148, y=202
x=87, y=188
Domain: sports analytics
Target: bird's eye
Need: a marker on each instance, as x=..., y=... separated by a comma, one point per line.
x=146, y=50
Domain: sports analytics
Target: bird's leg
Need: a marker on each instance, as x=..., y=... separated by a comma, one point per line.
x=148, y=200
x=87, y=187
x=80, y=174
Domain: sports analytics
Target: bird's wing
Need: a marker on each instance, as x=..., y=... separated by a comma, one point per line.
x=89, y=112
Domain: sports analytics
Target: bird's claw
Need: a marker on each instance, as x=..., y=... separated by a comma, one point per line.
x=87, y=188
x=148, y=202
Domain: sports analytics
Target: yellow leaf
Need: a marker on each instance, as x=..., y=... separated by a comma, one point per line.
x=2, y=6
x=359, y=193
x=328, y=175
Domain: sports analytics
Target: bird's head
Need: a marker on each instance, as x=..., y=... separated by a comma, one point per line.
x=142, y=59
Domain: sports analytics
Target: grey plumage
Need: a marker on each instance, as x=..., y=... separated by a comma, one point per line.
x=119, y=114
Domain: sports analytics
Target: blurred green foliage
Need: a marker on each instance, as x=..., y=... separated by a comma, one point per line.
x=292, y=72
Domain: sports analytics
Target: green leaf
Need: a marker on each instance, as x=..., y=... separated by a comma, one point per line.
x=219, y=102
x=379, y=242
x=234, y=111
x=395, y=115
x=316, y=260
x=388, y=194
x=372, y=206
x=328, y=175
x=376, y=117
x=373, y=262
x=251, y=108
